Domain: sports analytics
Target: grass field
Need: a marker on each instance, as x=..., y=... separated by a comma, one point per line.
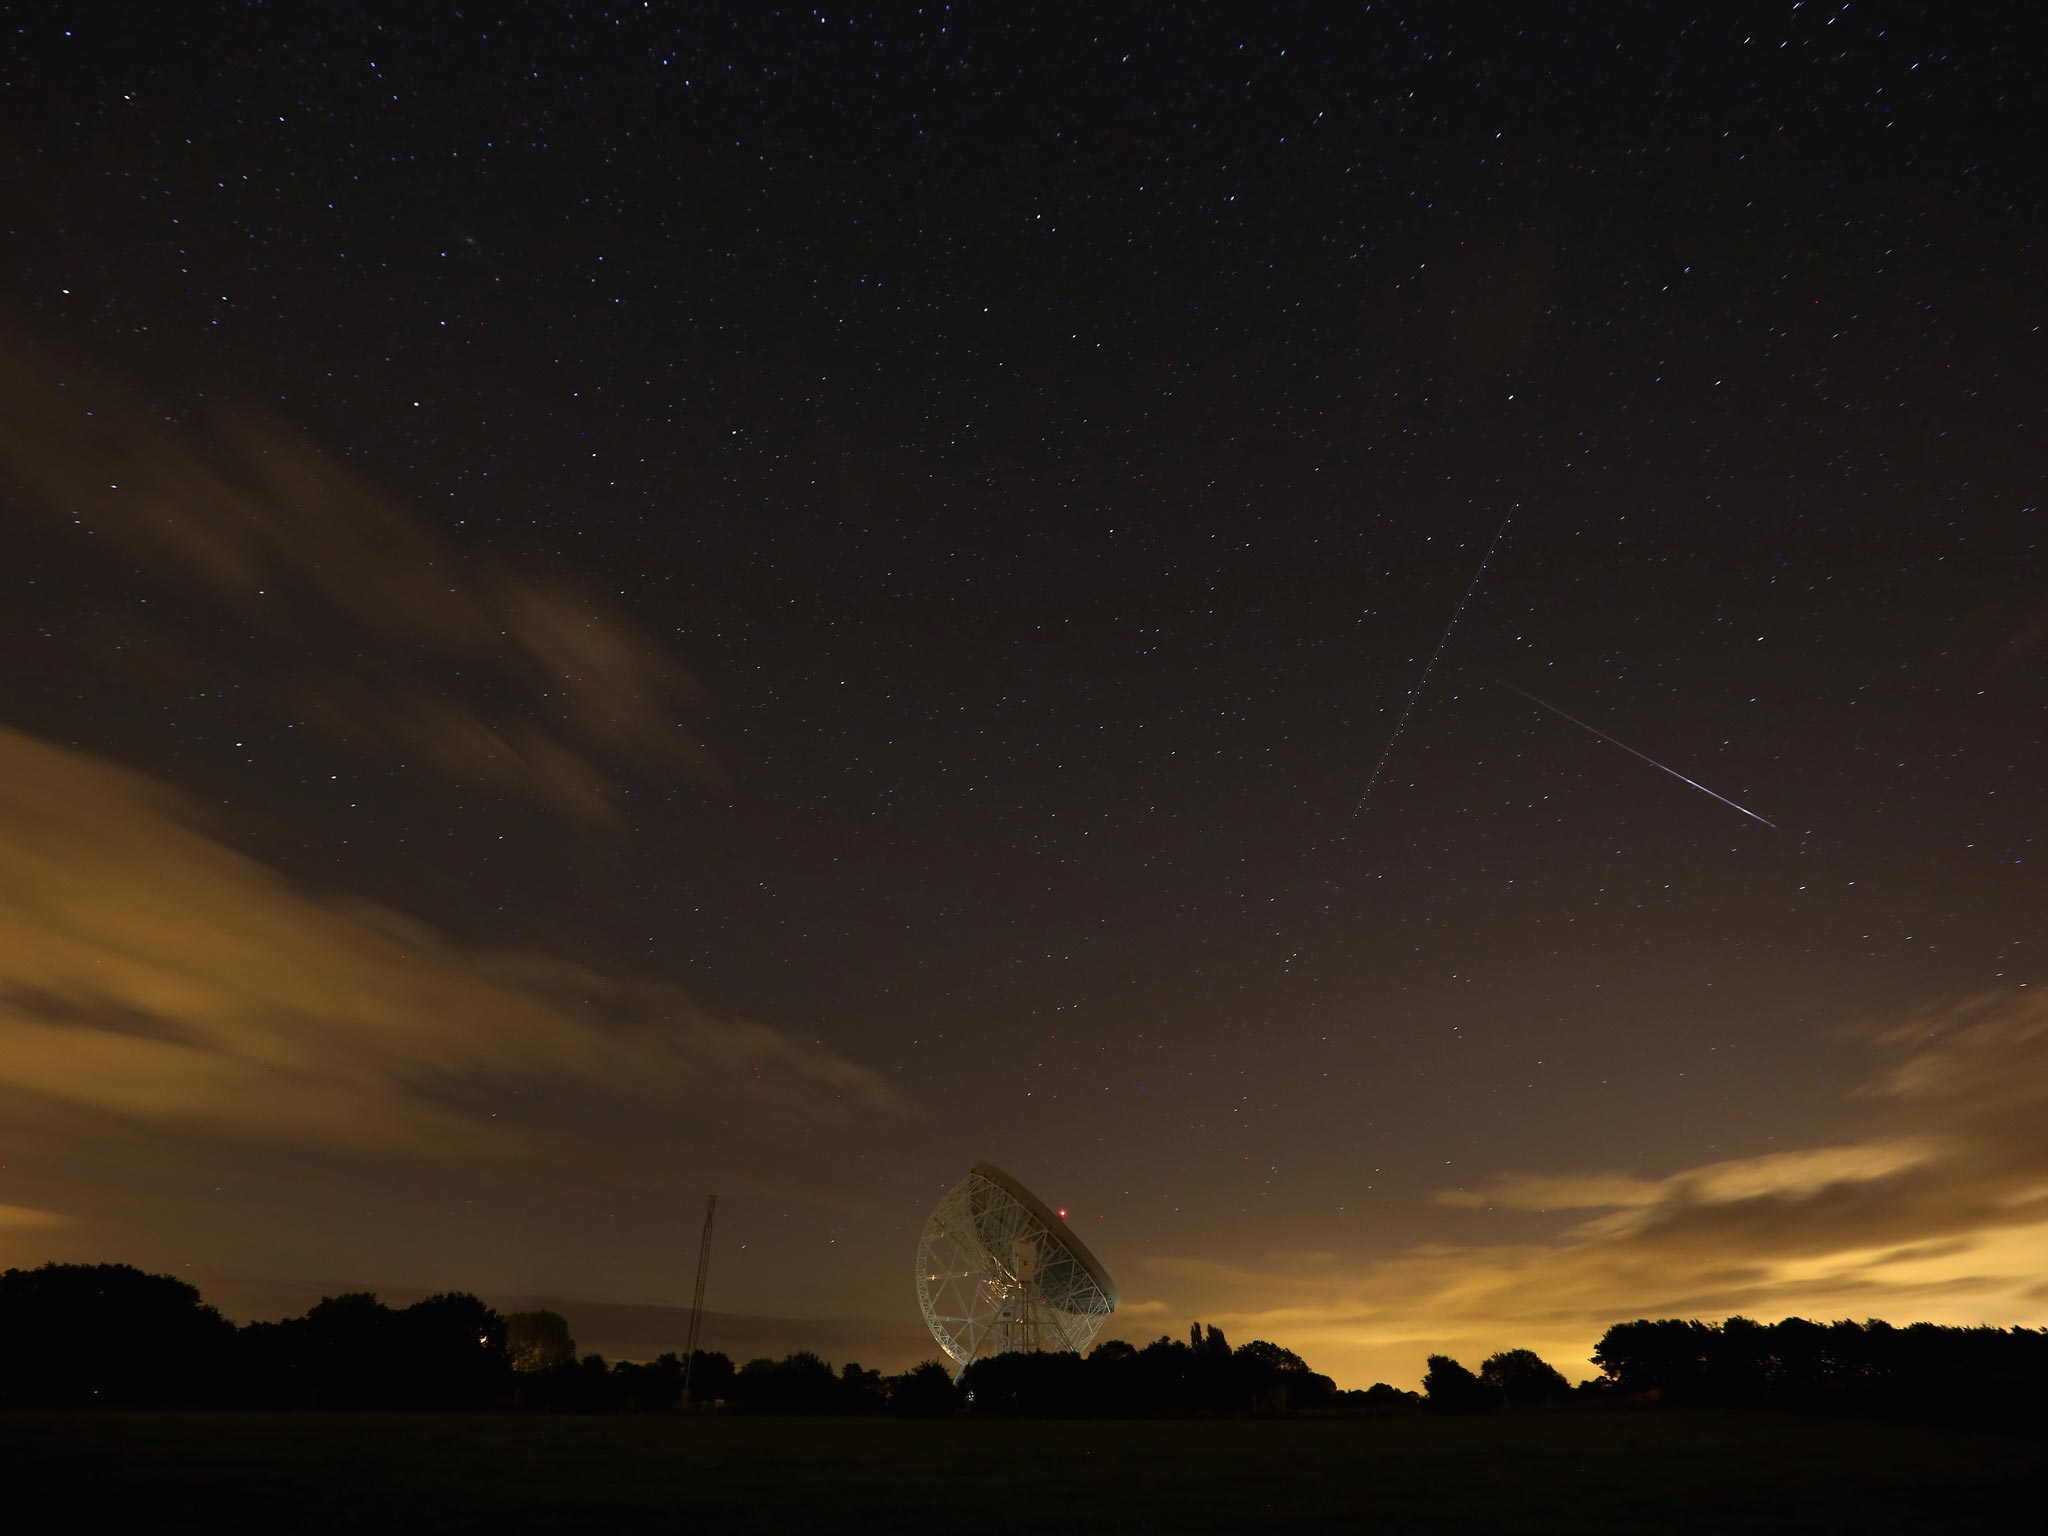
x=1645, y=1471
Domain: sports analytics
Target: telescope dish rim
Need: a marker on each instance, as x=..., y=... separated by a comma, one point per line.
x=1068, y=1237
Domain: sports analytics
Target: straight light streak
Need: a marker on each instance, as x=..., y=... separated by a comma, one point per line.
x=1632, y=752
x=1422, y=682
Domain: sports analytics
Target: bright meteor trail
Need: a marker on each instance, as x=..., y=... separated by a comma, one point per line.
x=1632, y=752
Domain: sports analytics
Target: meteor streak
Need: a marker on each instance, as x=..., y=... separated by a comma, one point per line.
x=1632, y=752
x=1422, y=682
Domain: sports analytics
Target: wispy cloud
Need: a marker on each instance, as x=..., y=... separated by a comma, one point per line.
x=21, y=1218
x=382, y=632
x=151, y=972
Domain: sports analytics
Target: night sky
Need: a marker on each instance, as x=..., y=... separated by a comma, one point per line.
x=610, y=603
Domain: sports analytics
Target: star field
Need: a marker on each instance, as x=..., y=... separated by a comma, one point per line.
x=842, y=592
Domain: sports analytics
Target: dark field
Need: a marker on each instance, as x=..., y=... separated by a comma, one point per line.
x=1646, y=1471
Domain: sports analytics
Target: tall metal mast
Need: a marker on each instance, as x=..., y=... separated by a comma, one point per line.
x=697, y=1301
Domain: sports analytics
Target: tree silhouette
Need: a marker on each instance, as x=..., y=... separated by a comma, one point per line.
x=1521, y=1379
x=343, y=1354
x=108, y=1336
x=1029, y=1384
x=924, y=1392
x=1270, y=1378
x=1271, y=1357
x=711, y=1374
x=538, y=1341
x=798, y=1383
x=1450, y=1388
x=450, y=1353
x=651, y=1387
x=859, y=1391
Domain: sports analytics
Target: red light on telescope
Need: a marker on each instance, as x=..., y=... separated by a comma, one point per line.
x=1063, y=1213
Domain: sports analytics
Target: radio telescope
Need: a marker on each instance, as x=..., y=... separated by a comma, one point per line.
x=997, y=1271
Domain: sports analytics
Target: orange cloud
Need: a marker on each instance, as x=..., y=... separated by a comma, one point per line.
x=1624, y=1198
x=20, y=1218
x=148, y=971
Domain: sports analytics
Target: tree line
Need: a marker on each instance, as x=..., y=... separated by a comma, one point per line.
x=1201, y=1374
x=111, y=1336
x=1920, y=1369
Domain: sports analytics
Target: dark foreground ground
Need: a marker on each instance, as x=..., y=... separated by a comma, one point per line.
x=1642, y=1471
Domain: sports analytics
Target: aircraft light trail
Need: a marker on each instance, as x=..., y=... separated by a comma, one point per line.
x=1422, y=682
x=1632, y=752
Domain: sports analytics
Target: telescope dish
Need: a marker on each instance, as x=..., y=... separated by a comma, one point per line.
x=997, y=1271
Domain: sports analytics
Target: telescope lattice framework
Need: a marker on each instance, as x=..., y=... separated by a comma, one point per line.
x=997, y=1271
